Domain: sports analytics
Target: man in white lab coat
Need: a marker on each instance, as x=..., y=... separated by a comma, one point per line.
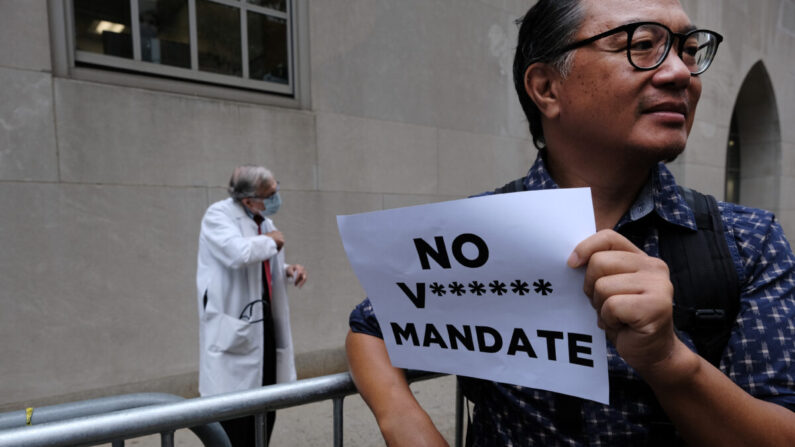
x=244, y=317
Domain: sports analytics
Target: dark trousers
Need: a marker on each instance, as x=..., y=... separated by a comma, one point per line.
x=241, y=430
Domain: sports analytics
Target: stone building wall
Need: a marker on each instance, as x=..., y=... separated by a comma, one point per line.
x=102, y=185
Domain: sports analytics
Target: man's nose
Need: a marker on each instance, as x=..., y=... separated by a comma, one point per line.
x=673, y=70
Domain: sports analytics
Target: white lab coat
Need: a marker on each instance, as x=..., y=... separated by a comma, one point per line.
x=230, y=273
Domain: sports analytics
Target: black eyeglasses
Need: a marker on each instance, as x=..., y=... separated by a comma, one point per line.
x=648, y=44
x=271, y=194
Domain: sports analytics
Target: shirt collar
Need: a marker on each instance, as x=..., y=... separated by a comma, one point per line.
x=255, y=217
x=538, y=176
x=668, y=201
x=659, y=195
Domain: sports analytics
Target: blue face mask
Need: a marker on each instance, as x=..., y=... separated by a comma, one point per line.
x=272, y=205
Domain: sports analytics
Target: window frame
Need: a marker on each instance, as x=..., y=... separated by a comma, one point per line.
x=138, y=73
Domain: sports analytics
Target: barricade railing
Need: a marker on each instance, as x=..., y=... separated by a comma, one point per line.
x=209, y=434
x=165, y=418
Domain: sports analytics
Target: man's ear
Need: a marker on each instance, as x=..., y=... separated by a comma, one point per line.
x=541, y=82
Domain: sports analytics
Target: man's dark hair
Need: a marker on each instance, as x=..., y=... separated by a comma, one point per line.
x=546, y=29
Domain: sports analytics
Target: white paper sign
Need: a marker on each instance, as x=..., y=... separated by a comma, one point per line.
x=480, y=287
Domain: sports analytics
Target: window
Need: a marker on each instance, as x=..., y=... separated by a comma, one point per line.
x=238, y=43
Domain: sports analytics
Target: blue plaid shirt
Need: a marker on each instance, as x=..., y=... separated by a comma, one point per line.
x=758, y=357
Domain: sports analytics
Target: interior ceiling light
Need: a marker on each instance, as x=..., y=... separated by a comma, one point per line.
x=103, y=25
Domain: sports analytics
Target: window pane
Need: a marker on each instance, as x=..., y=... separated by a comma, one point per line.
x=104, y=27
x=165, y=36
x=218, y=32
x=279, y=5
x=267, y=48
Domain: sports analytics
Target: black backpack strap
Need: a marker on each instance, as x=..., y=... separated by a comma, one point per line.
x=706, y=286
x=706, y=291
x=512, y=186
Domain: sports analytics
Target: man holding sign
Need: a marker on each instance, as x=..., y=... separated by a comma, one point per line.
x=610, y=89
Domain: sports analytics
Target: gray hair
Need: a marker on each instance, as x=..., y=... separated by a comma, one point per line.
x=544, y=31
x=247, y=180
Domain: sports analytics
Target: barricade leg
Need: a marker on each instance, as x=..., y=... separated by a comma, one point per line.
x=338, y=421
x=459, y=415
x=167, y=439
x=260, y=431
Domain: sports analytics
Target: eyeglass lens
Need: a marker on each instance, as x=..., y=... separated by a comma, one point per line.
x=650, y=45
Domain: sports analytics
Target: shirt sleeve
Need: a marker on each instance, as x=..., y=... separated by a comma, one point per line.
x=223, y=238
x=759, y=355
x=363, y=321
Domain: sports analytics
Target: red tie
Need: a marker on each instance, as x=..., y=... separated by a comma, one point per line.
x=266, y=264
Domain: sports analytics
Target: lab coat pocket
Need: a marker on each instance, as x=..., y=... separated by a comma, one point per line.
x=230, y=335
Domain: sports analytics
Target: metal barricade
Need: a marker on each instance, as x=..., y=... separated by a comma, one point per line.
x=165, y=418
x=211, y=434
